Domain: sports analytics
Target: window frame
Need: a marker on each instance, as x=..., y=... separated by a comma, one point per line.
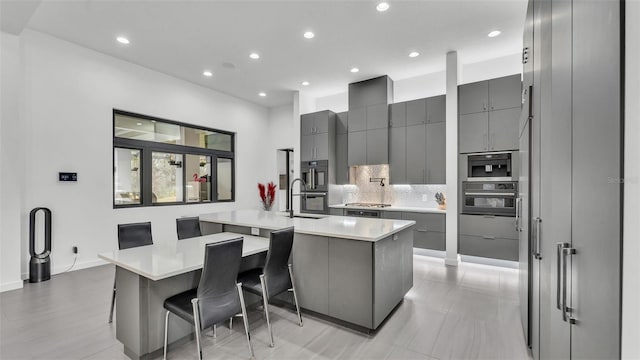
x=146, y=149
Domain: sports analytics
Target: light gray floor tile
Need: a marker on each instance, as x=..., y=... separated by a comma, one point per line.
x=468, y=312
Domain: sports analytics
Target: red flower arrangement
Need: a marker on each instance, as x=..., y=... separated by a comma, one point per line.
x=267, y=194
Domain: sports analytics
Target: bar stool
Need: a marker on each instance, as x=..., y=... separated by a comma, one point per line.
x=218, y=297
x=130, y=236
x=277, y=275
x=188, y=227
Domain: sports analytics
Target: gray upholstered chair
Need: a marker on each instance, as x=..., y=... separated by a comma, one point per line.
x=188, y=227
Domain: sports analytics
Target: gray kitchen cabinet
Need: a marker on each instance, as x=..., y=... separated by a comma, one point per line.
x=505, y=92
x=398, y=155
x=416, y=112
x=416, y=148
x=307, y=148
x=377, y=117
x=473, y=97
x=307, y=124
x=317, y=136
x=437, y=109
x=350, y=281
x=378, y=146
x=503, y=129
x=311, y=266
x=406, y=240
x=321, y=141
x=398, y=115
x=357, y=145
x=488, y=236
x=388, y=267
x=336, y=212
x=342, y=166
x=473, y=132
x=342, y=122
x=357, y=119
x=436, y=153
x=395, y=215
x=429, y=230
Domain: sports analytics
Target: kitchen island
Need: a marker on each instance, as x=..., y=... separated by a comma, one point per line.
x=348, y=269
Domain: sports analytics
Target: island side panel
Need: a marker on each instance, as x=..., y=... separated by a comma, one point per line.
x=405, y=237
x=388, y=278
x=351, y=281
x=311, y=272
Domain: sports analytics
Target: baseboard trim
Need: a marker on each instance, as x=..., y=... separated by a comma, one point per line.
x=13, y=285
x=78, y=266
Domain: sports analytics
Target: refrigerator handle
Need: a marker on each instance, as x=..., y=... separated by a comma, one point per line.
x=567, y=250
x=559, y=274
x=518, y=214
x=535, y=249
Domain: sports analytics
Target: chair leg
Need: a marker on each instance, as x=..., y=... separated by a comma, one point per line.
x=196, y=321
x=245, y=319
x=295, y=296
x=215, y=332
x=263, y=282
x=113, y=301
x=166, y=333
x=230, y=325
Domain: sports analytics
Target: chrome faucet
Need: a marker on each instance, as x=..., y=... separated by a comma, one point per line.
x=291, y=195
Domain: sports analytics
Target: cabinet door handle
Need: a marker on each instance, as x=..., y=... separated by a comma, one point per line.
x=484, y=106
x=421, y=230
x=489, y=237
x=518, y=214
x=535, y=249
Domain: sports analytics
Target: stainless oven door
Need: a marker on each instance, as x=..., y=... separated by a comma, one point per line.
x=314, y=203
x=489, y=204
x=316, y=178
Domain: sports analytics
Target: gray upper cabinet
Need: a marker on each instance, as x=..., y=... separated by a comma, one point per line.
x=307, y=148
x=322, y=146
x=322, y=121
x=416, y=112
x=342, y=122
x=416, y=148
x=342, y=167
x=307, y=124
x=357, y=119
x=398, y=115
x=505, y=92
x=357, y=145
x=503, y=129
x=437, y=109
x=473, y=98
x=398, y=155
x=377, y=116
x=473, y=130
x=436, y=153
x=378, y=146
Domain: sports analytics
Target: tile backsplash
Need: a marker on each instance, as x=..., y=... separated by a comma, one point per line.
x=363, y=190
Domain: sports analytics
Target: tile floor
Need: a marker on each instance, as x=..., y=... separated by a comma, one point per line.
x=469, y=312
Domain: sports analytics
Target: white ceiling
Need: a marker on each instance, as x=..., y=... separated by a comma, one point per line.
x=182, y=38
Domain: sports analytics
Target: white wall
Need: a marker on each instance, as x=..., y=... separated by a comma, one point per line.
x=631, y=242
x=431, y=84
x=11, y=162
x=69, y=94
x=282, y=136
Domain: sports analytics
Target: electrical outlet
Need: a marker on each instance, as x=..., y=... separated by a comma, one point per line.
x=424, y=197
x=75, y=249
x=255, y=231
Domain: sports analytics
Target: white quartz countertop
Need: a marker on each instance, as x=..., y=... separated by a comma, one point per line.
x=392, y=208
x=346, y=227
x=166, y=259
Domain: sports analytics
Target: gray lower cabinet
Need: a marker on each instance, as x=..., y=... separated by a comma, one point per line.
x=436, y=153
x=488, y=236
x=394, y=215
x=336, y=212
x=429, y=230
x=416, y=148
x=355, y=281
x=398, y=155
x=357, y=145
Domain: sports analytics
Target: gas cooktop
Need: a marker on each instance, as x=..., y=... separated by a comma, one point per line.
x=371, y=205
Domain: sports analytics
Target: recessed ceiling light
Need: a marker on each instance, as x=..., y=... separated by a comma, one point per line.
x=123, y=40
x=383, y=6
x=254, y=56
x=207, y=73
x=139, y=124
x=355, y=70
x=309, y=35
x=262, y=94
x=494, y=33
x=414, y=54
x=305, y=83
